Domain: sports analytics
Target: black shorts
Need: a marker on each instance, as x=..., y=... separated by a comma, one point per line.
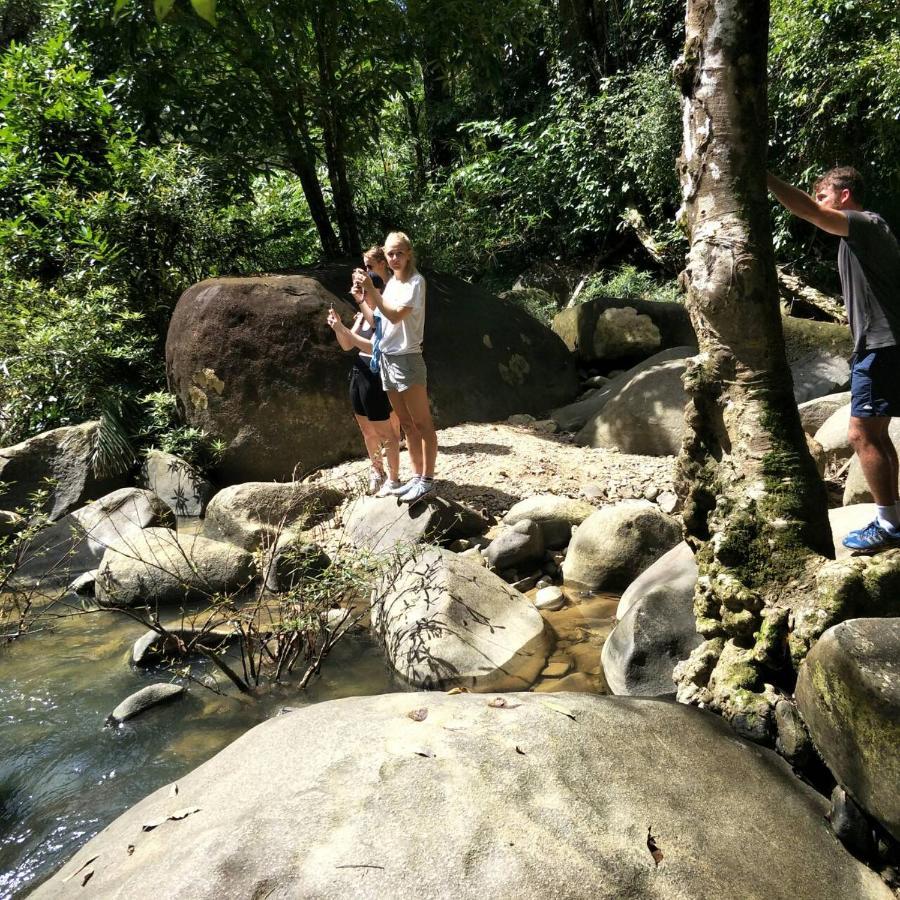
x=367, y=396
x=875, y=383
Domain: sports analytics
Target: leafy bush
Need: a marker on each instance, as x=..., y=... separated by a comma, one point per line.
x=628, y=281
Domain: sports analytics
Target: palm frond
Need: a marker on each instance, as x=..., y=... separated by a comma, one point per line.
x=113, y=452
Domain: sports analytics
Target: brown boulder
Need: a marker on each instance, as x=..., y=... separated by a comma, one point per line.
x=253, y=362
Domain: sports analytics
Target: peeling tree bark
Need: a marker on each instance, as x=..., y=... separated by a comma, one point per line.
x=754, y=506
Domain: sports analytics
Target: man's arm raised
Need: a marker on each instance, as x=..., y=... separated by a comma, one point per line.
x=800, y=204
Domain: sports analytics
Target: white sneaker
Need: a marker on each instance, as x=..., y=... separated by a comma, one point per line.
x=376, y=479
x=421, y=489
x=403, y=488
x=391, y=488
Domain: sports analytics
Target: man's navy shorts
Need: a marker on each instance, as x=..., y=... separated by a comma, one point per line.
x=875, y=383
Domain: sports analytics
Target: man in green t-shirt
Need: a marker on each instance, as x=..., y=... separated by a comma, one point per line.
x=869, y=266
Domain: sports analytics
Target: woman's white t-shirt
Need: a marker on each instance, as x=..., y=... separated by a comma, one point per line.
x=404, y=336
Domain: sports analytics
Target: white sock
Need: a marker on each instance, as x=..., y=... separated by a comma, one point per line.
x=888, y=517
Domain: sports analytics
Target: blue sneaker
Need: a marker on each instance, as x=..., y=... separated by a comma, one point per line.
x=872, y=539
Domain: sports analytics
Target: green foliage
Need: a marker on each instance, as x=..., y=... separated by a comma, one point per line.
x=629, y=282
x=163, y=429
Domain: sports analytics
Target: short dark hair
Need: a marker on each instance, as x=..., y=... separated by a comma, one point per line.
x=844, y=177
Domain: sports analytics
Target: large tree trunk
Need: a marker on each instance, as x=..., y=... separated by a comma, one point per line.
x=754, y=506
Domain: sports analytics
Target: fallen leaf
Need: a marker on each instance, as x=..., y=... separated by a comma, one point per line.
x=655, y=852
x=130, y=849
x=418, y=715
x=173, y=792
x=87, y=877
x=559, y=709
x=520, y=750
x=80, y=869
x=184, y=813
x=426, y=753
x=457, y=690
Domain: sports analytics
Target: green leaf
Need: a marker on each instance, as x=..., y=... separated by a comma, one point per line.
x=206, y=9
x=120, y=5
x=162, y=8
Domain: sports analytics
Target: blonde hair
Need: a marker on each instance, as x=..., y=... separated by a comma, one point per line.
x=398, y=237
x=376, y=253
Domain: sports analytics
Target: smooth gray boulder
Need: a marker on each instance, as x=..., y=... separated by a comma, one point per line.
x=616, y=543
x=555, y=516
x=814, y=413
x=63, y=456
x=674, y=574
x=467, y=797
x=144, y=699
x=63, y=551
x=156, y=566
x=832, y=435
x=819, y=373
x=295, y=559
x=383, y=524
x=447, y=621
x=657, y=631
x=517, y=545
x=256, y=513
x=176, y=482
x=848, y=692
x=645, y=417
x=575, y=416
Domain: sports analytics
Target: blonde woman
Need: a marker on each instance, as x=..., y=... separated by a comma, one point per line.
x=397, y=353
x=371, y=408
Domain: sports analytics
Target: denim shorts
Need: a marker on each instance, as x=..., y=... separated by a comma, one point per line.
x=875, y=383
x=400, y=371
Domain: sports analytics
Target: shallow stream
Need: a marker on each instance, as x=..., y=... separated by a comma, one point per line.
x=64, y=776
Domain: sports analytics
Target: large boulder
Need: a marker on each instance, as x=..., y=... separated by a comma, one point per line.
x=76, y=543
x=62, y=457
x=434, y=796
x=517, y=545
x=819, y=373
x=257, y=513
x=848, y=692
x=157, y=567
x=645, y=417
x=177, y=483
x=814, y=413
x=555, y=516
x=577, y=325
x=657, y=628
x=673, y=574
x=614, y=544
x=253, y=362
x=625, y=334
x=382, y=524
x=447, y=621
x=574, y=416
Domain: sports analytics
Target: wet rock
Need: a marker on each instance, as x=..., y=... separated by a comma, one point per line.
x=520, y=544
x=257, y=513
x=550, y=598
x=617, y=542
x=446, y=621
x=555, y=516
x=159, y=567
x=142, y=700
x=381, y=524
x=330, y=787
x=177, y=483
x=63, y=456
x=848, y=692
x=75, y=544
